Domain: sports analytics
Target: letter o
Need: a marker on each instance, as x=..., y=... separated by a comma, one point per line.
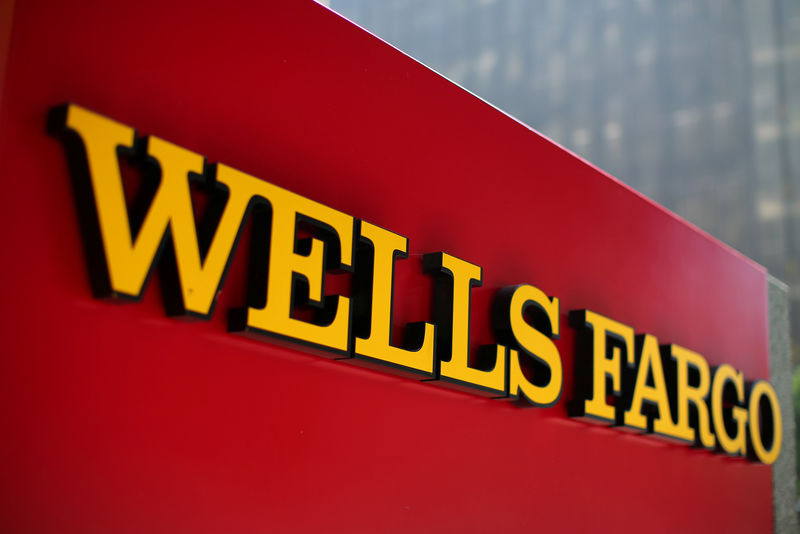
x=762, y=388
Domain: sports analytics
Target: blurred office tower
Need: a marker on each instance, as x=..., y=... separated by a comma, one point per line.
x=695, y=103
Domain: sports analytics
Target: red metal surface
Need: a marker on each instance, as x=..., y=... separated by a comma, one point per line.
x=119, y=419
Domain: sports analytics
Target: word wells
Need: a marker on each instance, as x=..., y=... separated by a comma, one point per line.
x=620, y=379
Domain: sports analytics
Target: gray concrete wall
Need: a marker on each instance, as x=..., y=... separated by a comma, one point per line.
x=783, y=470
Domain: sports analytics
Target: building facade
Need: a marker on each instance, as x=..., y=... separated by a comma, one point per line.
x=696, y=104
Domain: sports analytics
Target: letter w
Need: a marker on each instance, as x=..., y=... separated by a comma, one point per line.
x=129, y=259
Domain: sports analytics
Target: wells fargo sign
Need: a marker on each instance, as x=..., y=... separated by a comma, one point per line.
x=623, y=378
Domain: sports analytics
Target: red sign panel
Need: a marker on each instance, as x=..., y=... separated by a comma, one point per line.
x=119, y=418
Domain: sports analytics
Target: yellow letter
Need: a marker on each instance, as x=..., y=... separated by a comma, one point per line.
x=291, y=260
x=655, y=395
x=129, y=260
x=736, y=444
x=600, y=344
x=685, y=358
x=377, y=287
x=454, y=280
x=759, y=389
x=511, y=304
